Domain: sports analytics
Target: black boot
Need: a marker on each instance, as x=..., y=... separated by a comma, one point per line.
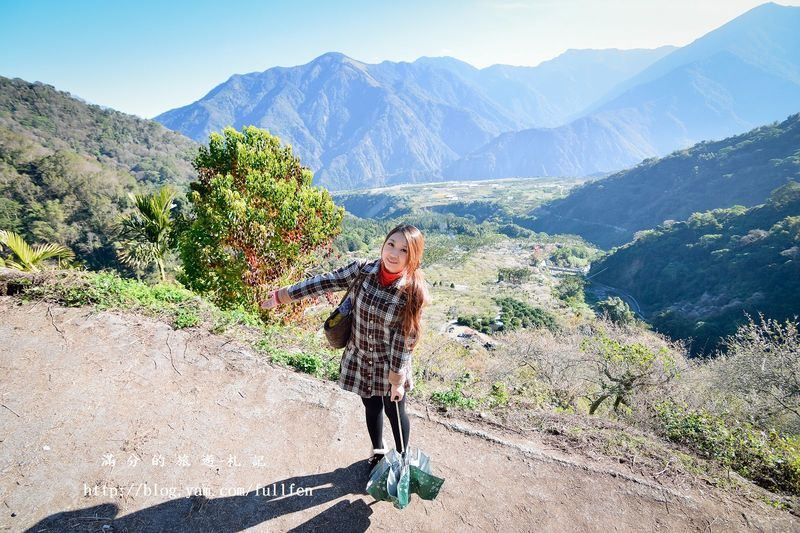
x=374, y=460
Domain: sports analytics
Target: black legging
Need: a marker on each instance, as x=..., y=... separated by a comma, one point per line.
x=375, y=406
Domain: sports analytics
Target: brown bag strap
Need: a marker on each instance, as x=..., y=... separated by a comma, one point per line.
x=359, y=282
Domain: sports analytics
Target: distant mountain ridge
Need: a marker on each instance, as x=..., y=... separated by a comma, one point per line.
x=743, y=74
x=362, y=125
x=751, y=37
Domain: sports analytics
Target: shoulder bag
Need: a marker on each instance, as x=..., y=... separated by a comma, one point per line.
x=339, y=324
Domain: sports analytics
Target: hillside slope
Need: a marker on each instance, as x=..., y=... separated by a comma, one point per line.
x=699, y=278
x=79, y=385
x=58, y=121
x=66, y=167
x=741, y=170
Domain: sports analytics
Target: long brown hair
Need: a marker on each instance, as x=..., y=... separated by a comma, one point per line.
x=415, y=289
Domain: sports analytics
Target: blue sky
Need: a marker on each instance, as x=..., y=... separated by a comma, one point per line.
x=146, y=57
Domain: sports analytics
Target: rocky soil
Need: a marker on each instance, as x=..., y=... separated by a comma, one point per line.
x=116, y=422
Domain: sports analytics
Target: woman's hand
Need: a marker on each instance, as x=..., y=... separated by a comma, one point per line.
x=397, y=380
x=397, y=393
x=271, y=302
x=275, y=299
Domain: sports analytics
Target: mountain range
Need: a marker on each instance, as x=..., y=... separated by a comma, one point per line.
x=742, y=75
x=361, y=125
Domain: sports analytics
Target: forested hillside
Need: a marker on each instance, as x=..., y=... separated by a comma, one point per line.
x=739, y=170
x=66, y=167
x=697, y=278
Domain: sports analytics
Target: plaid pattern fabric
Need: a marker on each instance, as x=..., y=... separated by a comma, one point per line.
x=377, y=343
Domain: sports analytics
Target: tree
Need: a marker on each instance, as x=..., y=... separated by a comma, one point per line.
x=28, y=258
x=551, y=364
x=515, y=314
x=625, y=368
x=147, y=233
x=257, y=221
x=572, y=255
x=761, y=369
x=785, y=195
x=514, y=275
x=570, y=289
x=616, y=310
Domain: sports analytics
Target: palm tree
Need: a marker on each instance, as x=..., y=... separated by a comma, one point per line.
x=145, y=233
x=30, y=258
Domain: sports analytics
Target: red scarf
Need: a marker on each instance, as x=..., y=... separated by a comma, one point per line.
x=386, y=278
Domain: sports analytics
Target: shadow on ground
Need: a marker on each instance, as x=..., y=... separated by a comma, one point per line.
x=234, y=513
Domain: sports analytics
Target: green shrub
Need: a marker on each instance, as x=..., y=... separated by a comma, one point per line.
x=186, y=318
x=514, y=275
x=223, y=319
x=517, y=314
x=484, y=324
x=499, y=394
x=767, y=458
x=616, y=310
x=455, y=396
x=572, y=256
x=570, y=290
x=107, y=290
x=331, y=368
x=309, y=363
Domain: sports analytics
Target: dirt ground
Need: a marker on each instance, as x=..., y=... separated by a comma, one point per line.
x=115, y=422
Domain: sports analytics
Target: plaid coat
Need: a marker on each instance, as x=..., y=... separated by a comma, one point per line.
x=377, y=343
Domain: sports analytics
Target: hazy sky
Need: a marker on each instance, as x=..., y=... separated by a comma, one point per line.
x=146, y=57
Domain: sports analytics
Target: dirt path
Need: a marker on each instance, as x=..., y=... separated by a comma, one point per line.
x=80, y=389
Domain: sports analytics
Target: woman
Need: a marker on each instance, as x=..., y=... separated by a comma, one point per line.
x=376, y=363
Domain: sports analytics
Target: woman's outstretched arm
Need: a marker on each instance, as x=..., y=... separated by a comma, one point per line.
x=336, y=280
